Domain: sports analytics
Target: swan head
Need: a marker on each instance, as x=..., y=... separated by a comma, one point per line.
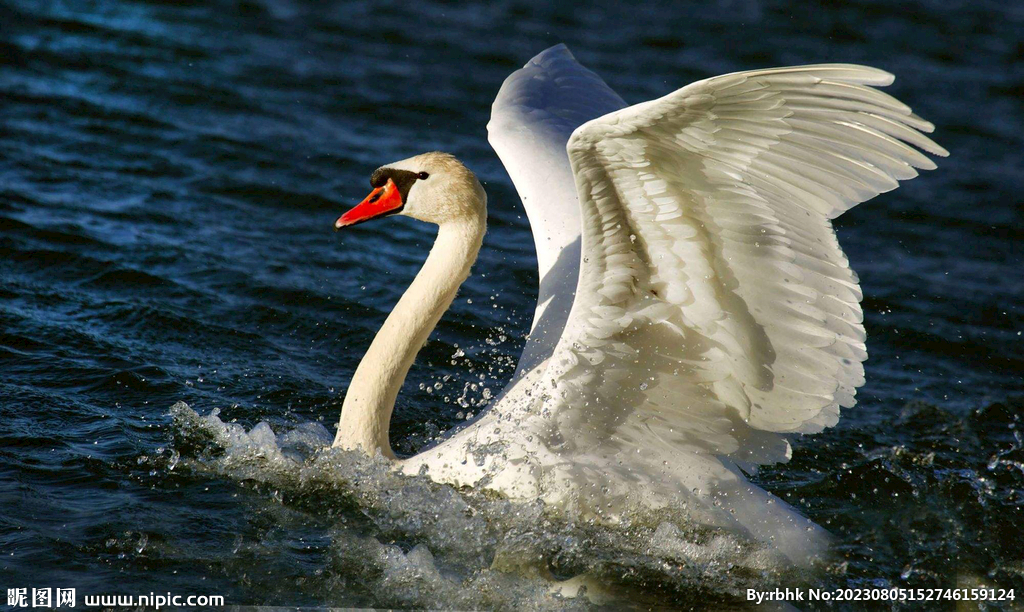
x=432, y=187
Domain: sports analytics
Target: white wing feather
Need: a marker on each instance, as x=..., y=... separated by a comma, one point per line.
x=715, y=309
x=532, y=117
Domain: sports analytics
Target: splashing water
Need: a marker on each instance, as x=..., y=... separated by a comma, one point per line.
x=427, y=544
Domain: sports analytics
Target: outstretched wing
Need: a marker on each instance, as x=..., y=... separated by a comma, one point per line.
x=715, y=309
x=535, y=112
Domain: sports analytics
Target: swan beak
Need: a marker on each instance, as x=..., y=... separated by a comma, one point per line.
x=381, y=202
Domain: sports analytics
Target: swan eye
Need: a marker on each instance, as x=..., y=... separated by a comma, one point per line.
x=423, y=176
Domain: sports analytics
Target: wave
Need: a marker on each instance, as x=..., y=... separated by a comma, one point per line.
x=467, y=549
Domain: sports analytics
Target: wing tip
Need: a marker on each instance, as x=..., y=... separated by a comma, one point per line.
x=559, y=49
x=850, y=73
x=868, y=75
x=927, y=144
x=936, y=149
x=933, y=147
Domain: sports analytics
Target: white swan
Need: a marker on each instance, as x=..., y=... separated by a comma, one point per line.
x=694, y=306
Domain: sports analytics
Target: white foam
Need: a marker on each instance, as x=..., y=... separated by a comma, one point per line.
x=469, y=549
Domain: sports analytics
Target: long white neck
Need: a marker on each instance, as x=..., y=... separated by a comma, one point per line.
x=366, y=412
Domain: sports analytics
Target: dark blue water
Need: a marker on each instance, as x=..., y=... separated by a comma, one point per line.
x=169, y=175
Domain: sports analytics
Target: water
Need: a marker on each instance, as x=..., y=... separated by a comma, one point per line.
x=169, y=174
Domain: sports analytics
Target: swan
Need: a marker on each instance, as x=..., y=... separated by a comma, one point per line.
x=695, y=308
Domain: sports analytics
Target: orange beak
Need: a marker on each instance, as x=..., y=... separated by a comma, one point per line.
x=381, y=202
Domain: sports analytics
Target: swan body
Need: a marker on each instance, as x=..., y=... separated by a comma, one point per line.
x=694, y=306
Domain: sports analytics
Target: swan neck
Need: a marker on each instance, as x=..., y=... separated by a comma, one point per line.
x=370, y=400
